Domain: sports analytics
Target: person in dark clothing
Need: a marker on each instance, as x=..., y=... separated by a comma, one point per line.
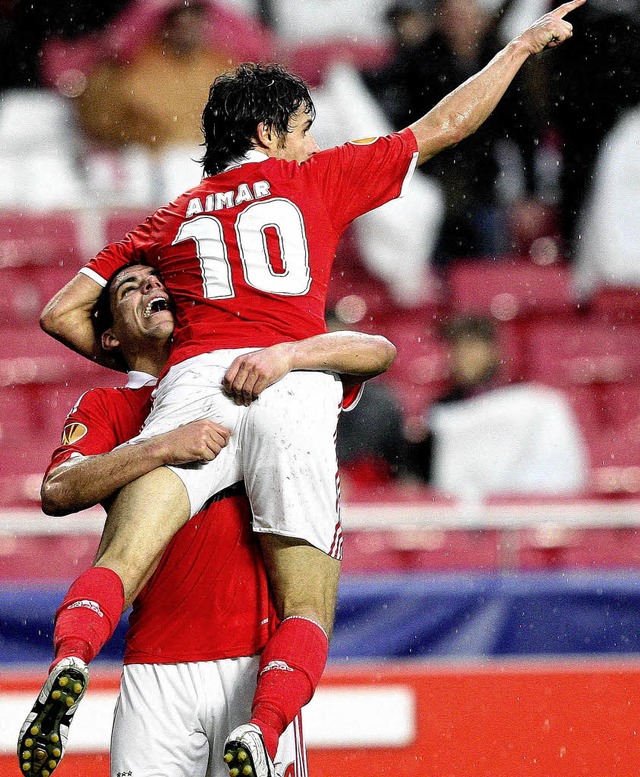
x=370, y=443
x=435, y=52
x=604, y=57
x=25, y=26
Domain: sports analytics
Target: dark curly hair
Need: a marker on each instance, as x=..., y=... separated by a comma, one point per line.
x=239, y=100
x=102, y=319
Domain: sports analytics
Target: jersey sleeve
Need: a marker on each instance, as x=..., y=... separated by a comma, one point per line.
x=362, y=175
x=88, y=430
x=351, y=394
x=135, y=248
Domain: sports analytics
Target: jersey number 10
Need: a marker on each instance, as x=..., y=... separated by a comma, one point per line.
x=278, y=214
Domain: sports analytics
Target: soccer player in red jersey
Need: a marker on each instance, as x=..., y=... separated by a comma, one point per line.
x=247, y=256
x=199, y=623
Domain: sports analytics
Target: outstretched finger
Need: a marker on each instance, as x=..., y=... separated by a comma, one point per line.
x=562, y=10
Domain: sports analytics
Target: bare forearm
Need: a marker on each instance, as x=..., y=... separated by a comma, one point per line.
x=67, y=318
x=460, y=113
x=76, y=486
x=349, y=353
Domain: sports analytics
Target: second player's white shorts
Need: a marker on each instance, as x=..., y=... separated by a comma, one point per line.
x=282, y=446
x=172, y=720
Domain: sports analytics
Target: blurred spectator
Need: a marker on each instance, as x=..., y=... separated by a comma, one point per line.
x=608, y=252
x=370, y=444
x=67, y=62
x=435, y=52
x=156, y=98
x=25, y=25
x=139, y=87
x=484, y=438
x=18, y=49
x=596, y=77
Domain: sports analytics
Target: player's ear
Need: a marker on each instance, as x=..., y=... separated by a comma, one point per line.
x=265, y=136
x=109, y=340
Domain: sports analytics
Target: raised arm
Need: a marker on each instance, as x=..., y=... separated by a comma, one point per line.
x=80, y=483
x=461, y=112
x=67, y=317
x=348, y=353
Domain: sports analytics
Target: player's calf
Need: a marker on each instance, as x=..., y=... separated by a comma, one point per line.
x=43, y=736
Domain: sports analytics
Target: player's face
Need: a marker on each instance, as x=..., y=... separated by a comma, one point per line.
x=298, y=144
x=140, y=305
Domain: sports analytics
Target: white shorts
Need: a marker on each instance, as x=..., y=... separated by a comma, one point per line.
x=172, y=720
x=282, y=446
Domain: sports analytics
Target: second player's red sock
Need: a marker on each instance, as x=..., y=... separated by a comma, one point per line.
x=88, y=615
x=290, y=668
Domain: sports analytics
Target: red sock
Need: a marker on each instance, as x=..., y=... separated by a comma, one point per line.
x=88, y=615
x=290, y=669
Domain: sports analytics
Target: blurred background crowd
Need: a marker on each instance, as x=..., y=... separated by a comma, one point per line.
x=508, y=279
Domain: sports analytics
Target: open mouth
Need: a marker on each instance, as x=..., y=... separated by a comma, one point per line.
x=156, y=305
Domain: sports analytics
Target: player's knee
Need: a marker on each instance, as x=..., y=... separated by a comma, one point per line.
x=130, y=568
x=323, y=614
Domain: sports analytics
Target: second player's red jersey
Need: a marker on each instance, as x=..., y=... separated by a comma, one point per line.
x=208, y=599
x=247, y=254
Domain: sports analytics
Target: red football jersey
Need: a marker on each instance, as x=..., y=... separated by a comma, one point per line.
x=247, y=254
x=208, y=599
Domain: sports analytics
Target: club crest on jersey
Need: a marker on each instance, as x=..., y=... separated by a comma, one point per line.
x=73, y=432
x=364, y=141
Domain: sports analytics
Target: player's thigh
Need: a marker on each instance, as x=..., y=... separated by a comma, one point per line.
x=192, y=390
x=141, y=521
x=157, y=730
x=303, y=579
x=289, y=459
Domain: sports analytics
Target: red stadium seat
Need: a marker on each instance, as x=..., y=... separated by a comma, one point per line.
x=26, y=290
x=509, y=288
x=616, y=304
x=619, y=447
x=118, y=224
x=554, y=547
x=564, y=353
x=16, y=422
x=31, y=356
x=39, y=239
x=421, y=550
x=420, y=370
x=621, y=403
x=67, y=556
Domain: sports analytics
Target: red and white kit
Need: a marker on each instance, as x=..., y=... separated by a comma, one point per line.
x=197, y=626
x=246, y=257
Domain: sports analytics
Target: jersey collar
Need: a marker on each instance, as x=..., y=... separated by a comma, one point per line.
x=139, y=379
x=251, y=156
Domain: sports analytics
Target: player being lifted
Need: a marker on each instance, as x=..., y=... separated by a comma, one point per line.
x=246, y=256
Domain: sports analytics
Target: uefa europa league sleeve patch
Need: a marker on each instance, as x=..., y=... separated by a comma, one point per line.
x=72, y=433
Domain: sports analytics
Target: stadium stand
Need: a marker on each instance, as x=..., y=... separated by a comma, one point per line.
x=591, y=354
x=509, y=288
